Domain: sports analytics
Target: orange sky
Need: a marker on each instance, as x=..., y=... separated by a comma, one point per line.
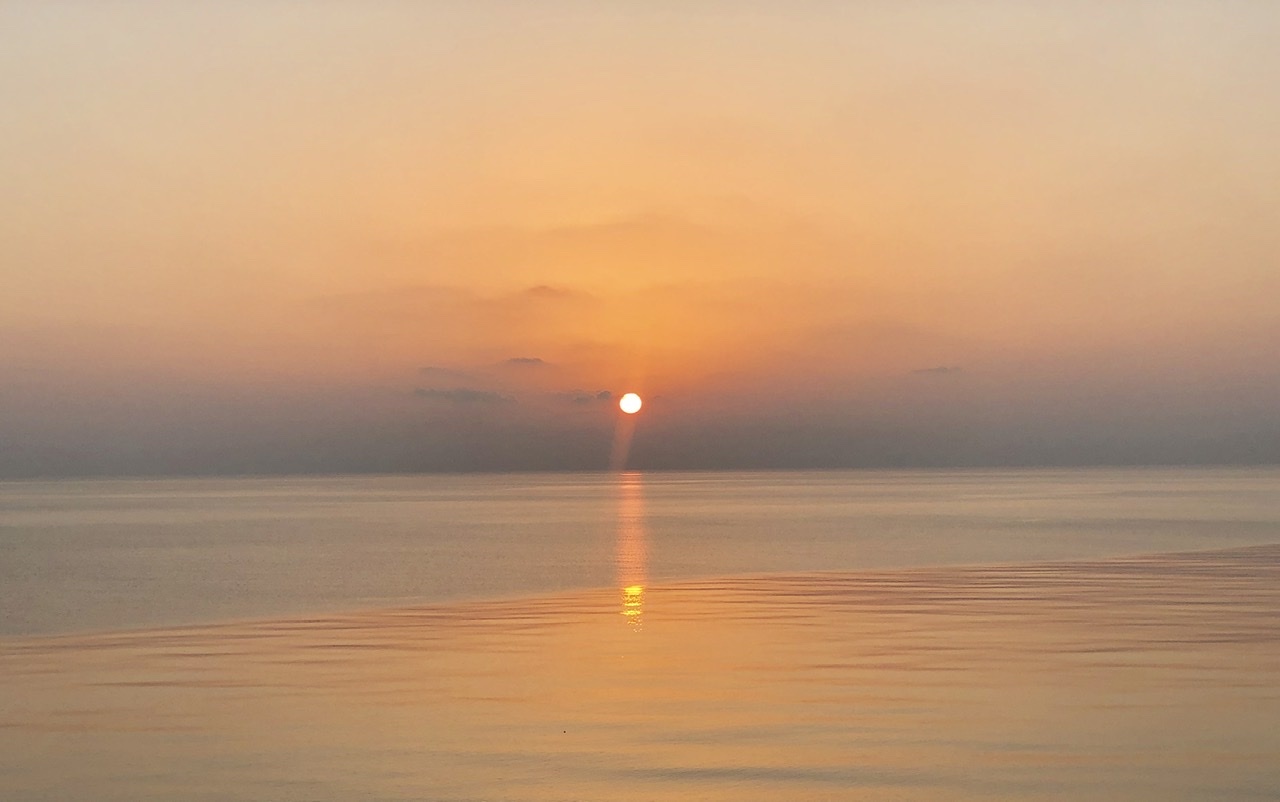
x=899, y=233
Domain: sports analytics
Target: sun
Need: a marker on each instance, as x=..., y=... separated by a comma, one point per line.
x=630, y=403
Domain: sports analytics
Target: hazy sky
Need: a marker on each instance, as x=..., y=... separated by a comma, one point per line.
x=288, y=236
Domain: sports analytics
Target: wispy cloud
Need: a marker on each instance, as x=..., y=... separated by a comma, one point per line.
x=549, y=293
x=463, y=395
x=434, y=372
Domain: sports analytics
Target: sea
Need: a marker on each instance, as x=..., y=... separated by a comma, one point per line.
x=1085, y=634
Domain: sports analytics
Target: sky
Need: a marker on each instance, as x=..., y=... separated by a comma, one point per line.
x=259, y=237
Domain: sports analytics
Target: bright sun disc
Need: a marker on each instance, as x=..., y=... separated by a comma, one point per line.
x=630, y=403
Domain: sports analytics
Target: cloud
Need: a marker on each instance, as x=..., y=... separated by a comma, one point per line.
x=444, y=373
x=463, y=395
x=547, y=292
x=585, y=396
x=941, y=370
x=400, y=301
x=525, y=361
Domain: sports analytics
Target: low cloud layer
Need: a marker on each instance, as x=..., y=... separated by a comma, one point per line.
x=584, y=397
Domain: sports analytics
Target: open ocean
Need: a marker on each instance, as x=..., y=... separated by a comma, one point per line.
x=941, y=635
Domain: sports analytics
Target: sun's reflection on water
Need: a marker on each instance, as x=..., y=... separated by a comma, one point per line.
x=631, y=550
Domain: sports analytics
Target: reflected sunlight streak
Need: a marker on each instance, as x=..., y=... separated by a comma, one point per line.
x=631, y=551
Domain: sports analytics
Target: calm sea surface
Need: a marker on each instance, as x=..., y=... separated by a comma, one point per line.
x=760, y=636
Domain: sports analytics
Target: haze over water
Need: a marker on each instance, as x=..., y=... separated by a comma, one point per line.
x=402, y=237
x=810, y=636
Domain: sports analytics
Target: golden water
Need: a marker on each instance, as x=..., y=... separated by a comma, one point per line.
x=1154, y=677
